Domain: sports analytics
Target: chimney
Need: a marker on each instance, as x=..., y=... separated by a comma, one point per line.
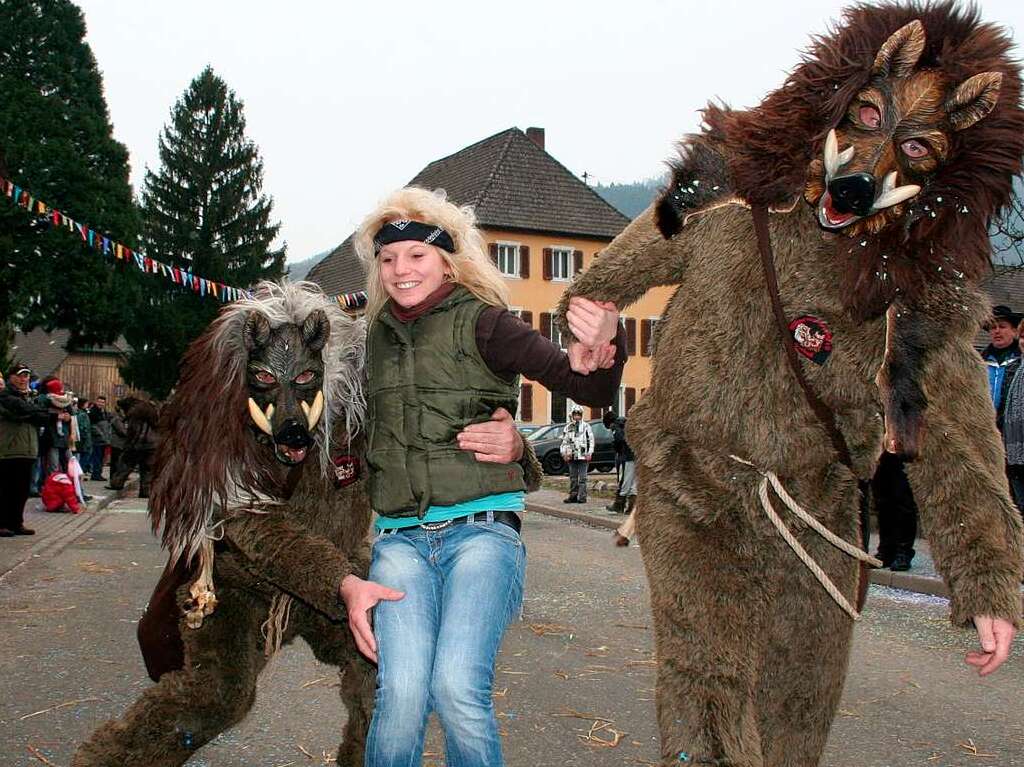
x=536, y=135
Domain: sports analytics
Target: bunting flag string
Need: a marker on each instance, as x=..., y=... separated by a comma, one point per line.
x=199, y=285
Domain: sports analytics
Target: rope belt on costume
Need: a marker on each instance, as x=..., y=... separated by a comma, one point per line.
x=770, y=478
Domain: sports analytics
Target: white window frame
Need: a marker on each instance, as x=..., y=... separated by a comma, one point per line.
x=504, y=247
x=568, y=251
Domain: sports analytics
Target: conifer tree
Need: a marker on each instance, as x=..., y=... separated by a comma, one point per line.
x=56, y=141
x=203, y=211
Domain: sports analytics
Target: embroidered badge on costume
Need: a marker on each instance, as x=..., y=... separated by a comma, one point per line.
x=811, y=338
x=346, y=470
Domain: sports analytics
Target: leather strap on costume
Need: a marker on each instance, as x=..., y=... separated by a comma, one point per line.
x=821, y=410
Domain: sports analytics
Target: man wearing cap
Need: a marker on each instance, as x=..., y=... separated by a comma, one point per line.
x=20, y=419
x=1002, y=350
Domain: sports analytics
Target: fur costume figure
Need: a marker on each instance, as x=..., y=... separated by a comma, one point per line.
x=875, y=170
x=261, y=462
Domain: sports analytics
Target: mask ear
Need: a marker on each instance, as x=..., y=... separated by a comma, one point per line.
x=899, y=54
x=973, y=99
x=316, y=329
x=257, y=331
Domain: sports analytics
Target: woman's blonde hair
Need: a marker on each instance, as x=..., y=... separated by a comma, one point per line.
x=469, y=265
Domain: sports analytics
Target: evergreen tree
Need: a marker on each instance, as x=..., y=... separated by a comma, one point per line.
x=203, y=211
x=56, y=141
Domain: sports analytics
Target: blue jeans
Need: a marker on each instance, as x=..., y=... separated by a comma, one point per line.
x=437, y=646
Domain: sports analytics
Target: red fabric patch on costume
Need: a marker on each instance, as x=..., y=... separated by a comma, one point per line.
x=346, y=470
x=811, y=338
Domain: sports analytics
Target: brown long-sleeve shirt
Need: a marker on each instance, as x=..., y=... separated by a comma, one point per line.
x=510, y=346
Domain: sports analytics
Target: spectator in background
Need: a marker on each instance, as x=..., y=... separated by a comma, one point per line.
x=20, y=418
x=897, y=513
x=83, y=441
x=625, y=496
x=139, y=446
x=1002, y=349
x=99, y=420
x=118, y=435
x=56, y=433
x=1010, y=420
x=577, y=449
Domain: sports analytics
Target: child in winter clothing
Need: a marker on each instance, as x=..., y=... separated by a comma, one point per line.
x=58, y=493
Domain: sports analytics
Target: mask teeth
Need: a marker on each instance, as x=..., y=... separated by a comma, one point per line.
x=259, y=417
x=888, y=184
x=844, y=157
x=831, y=155
x=314, y=412
x=270, y=412
x=896, y=196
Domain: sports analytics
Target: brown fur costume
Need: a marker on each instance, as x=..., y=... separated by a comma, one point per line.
x=752, y=652
x=280, y=557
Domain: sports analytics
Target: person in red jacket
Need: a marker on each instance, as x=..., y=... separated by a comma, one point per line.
x=58, y=493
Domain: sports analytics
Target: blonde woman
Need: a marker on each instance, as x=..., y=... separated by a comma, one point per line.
x=448, y=567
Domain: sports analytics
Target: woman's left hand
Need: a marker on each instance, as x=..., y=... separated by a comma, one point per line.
x=996, y=636
x=593, y=323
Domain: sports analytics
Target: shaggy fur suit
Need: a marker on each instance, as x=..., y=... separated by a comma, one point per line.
x=752, y=652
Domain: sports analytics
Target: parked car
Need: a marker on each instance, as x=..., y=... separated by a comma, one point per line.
x=547, y=440
x=526, y=429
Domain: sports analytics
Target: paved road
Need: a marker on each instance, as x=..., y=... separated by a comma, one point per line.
x=574, y=675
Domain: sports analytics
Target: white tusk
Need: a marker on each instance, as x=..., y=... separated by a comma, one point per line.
x=270, y=412
x=314, y=412
x=831, y=154
x=305, y=409
x=259, y=417
x=896, y=196
x=889, y=183
x=844, y=157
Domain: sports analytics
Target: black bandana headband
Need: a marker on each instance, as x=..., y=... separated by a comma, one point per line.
x=397, y=231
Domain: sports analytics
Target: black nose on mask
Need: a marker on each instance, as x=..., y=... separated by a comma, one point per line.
x=293, y=434
x=853, y=194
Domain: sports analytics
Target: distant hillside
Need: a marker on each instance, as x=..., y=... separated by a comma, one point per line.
x=631, y=199
x=297, y=270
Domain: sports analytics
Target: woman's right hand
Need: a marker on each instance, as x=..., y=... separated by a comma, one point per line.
x=360, y=597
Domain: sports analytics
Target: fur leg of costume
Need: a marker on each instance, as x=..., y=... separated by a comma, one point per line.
x=188, y=708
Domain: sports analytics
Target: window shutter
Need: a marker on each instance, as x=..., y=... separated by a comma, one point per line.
x=524, y=261
x=577, y=261
x=547, y=263
x=527, y=317
x=595, y=412
x=545, y=324
x=526, y=400
x=630, y=336
x=630, y=398
x=493, y=248
x=645, y=337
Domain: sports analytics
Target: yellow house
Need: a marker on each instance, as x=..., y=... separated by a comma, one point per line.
x=543, y=226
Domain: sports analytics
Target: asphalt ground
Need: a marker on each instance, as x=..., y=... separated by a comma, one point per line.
x=574, y=682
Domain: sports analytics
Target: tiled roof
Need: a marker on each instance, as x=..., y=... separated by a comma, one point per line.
x=45, y=352
x=512, y=184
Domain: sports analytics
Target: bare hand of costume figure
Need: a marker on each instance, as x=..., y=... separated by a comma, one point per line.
x=996, y=636
x=360, y=597
x=593, y=323
x=585, y=360
x=494, y=441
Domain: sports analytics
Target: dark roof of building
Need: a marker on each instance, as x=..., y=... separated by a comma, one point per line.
x=512, y=183
x=45, y=352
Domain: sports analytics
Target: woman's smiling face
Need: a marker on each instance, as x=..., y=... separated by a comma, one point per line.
x=410, y=271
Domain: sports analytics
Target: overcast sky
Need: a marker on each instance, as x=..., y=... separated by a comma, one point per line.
x=350, y=99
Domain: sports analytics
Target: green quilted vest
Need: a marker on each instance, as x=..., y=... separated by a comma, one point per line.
x=427, y=381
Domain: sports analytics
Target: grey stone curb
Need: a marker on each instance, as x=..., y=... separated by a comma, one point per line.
x=918, y=584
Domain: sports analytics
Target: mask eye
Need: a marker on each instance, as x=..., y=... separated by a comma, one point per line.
x=869, y=116
x=914, y=149
x=304, y=377
x=265, y=377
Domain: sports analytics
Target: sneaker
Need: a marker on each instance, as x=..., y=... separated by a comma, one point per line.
x=23, y=531
x=570, y=499
x=900, y=563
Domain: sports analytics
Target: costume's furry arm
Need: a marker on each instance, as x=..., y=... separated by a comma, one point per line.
x=960, y=486
x=283, y=552
x=654, y=248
